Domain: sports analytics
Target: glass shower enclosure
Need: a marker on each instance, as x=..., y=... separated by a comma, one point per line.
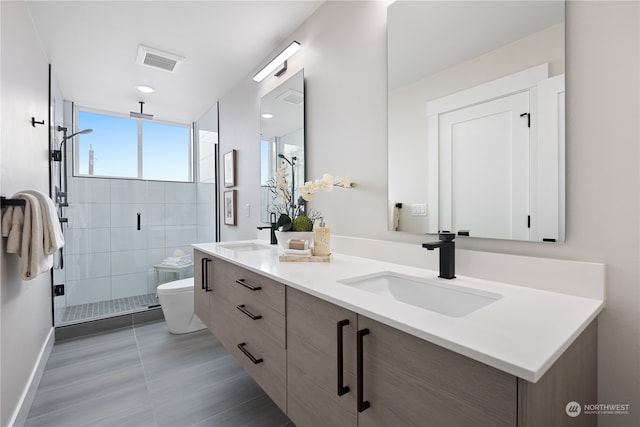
x=119, y=231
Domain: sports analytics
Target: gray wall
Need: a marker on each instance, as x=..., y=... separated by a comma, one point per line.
x=344, y=59
x=25, y=307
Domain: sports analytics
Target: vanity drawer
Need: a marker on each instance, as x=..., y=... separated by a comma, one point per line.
x=250, y=313
x=251, y=288
x=263, y=358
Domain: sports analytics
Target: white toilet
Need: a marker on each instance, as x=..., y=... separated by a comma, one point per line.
x=176, y=299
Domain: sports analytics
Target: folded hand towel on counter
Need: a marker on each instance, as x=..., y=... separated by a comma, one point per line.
x=297, y=252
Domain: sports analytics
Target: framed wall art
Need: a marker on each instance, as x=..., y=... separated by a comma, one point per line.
x=230, y=169
x=230, y=216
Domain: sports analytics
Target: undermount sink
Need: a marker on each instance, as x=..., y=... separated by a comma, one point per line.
x=246, y=246
x=445, y=298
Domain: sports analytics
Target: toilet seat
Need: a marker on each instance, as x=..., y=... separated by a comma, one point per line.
x=176, y=287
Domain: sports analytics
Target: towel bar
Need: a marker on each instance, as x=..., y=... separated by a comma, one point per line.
x=4, y=202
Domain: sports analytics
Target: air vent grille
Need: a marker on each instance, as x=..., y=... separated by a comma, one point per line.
x=158, y=59
x=159, y=62
x=291, y=96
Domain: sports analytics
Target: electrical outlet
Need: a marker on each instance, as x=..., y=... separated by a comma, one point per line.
x=247, y=210
x=58, y=290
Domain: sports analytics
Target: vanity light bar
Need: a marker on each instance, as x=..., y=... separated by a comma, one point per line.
x=277, y=61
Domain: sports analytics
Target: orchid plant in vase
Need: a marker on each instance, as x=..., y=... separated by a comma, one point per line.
x=291, y=213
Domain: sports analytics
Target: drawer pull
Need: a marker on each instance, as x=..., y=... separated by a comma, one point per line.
x=205, y=274
x=248, y=313
x=248, y=285
x=362, y=404
x=249, y=355
x=206, y=264
x=342, y=389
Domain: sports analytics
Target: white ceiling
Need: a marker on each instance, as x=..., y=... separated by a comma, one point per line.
x=92, y=46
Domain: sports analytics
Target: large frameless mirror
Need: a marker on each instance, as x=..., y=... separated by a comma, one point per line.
x=281, y=142
x=476, y=118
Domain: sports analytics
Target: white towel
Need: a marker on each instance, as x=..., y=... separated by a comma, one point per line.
x=33, y=232
x=33, y=259
x=53, y=238
x=12, y=225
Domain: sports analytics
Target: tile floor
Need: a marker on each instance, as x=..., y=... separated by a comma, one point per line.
x=145, y=376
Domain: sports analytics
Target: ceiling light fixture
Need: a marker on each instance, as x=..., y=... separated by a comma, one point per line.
x=267, y=115
x=279, y=60
x=145, y=89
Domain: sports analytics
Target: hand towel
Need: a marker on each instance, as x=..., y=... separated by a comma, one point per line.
x=7, y=217
x=53, y=237
x=12, y=228
x=33, y=259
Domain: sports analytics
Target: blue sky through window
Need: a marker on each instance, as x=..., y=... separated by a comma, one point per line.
x=166, y=153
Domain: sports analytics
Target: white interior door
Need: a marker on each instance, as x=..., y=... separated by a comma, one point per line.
x=484, y=162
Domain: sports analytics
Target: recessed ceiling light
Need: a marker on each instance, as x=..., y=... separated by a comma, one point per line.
x=145, y=89
x=267, y=115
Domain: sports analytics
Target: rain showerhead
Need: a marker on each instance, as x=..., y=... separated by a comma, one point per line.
x=141, y=115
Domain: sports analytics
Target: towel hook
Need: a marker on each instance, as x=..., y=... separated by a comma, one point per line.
x=34, y=122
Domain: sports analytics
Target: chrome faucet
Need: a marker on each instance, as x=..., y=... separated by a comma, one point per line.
x=447, y=254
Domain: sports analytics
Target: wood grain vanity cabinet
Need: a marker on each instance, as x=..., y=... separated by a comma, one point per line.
x=406, y=381
x=201, y=285
x=396, y=379
x=247, y=315
x=324, y=365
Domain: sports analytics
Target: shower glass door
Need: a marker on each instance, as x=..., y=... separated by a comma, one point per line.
x=119, y=231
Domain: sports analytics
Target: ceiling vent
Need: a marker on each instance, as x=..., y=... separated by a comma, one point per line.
x=291, y=96
x=158, y=59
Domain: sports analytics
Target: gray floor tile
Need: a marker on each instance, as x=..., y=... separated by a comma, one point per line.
x=86, y=412
x=144, y=376
x=259, y=412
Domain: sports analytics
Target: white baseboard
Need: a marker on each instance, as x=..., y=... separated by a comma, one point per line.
x=26, y=400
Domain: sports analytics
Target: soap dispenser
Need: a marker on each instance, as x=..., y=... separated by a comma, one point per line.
x=321, y=240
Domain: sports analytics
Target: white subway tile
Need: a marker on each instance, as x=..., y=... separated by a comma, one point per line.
x=128, y=262
x=88, y=291
x=180, y=214
x=128, y=285
x=86, y=266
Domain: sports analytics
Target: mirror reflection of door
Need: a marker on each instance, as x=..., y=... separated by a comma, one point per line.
x=485, y=168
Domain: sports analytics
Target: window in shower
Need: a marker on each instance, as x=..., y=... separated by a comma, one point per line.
x=122, y=147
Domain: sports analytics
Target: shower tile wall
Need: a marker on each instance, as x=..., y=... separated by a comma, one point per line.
x=105, y=256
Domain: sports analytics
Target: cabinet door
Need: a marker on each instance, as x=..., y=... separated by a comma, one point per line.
x=200, y=283
x=312, y=362
x=411, y=382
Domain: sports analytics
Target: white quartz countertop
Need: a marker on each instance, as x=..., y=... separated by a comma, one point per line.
x=522, y=333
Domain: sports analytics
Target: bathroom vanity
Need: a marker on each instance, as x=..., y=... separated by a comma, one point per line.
x=331, y=350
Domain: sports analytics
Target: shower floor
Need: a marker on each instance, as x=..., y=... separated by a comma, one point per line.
x=104, y=309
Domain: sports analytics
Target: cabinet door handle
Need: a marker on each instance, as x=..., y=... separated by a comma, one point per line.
x=206, y=283
x=342, y=389
x=362, y=404
x=249, y=355
x=248, y=285
x=203, y=269
x=248, y=313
